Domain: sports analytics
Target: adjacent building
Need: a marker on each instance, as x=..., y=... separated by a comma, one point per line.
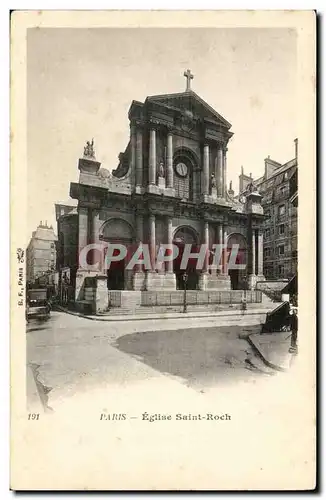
x=67, y=245
x=41, y=253
x=278, y=187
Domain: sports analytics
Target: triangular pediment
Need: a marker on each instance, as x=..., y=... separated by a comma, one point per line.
x=191, y=102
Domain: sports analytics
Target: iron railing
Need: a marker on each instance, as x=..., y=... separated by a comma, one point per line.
x=200, y=297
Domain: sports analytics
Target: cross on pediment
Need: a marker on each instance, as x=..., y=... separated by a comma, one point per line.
x=189, y=77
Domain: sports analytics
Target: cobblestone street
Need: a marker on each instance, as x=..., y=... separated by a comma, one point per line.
x=69, y=354
x=89, y=369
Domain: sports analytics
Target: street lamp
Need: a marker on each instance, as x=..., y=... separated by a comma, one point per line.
x=185, y=279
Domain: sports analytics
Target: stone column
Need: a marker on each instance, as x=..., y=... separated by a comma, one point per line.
x=214, y=265
x=152, y=240
x=82, y=229
x=152, y=156
x=206, y=170
x=253, y=251
x=82, y=243
x=138, y=278
x=140, y=238
x=260, y=270
x=169, y=264
x=97, y=254
x=139, y=157
x=169, y=161
x=204, y=276
x=225, y=253
x=224, y=188
x=206, y=242
x=219, y=180
x=133, y=152
x=220, y=242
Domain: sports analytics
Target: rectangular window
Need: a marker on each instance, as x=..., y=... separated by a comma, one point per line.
x=281, y=250
x=267, y=233
x=281, y=210
x=267, y=252
x=281, y=270
x=281, y=229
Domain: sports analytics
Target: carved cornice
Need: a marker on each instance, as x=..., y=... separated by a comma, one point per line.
x=170, y=129
x=137, y=123
x=155, y=123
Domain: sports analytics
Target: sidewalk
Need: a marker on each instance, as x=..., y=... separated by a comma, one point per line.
x=273, y=348
x=259, y=313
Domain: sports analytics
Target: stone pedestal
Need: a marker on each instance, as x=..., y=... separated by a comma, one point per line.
x=214, y=282
x=139, y=190
x=203, y=280
x=214, y=192
x=153, y=281
x=88, y=166
x=80, y=282
x=161, y=182
x=102, y=295
x=218, y=282
x=169, y=281
x=138, y=280
x=153, y=189
x=215, y=200
x=160, y=281
x=252, y=280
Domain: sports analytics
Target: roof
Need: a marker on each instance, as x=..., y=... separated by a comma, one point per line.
x=68, y=203
x=43, y=233
x=280, y=170
x=189, y=95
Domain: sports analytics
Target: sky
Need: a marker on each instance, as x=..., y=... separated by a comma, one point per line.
x=81, y=82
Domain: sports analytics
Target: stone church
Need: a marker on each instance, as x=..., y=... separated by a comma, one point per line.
x=170, y=186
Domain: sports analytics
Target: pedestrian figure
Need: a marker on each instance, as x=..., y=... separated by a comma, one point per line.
x=243, y=305
x=294, y=328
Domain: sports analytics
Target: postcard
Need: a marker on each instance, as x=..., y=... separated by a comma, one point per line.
x=163, y=191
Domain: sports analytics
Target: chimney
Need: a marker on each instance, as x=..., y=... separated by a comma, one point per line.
x=296, y=148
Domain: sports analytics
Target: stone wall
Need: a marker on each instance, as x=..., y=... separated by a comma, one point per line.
x=273, y=289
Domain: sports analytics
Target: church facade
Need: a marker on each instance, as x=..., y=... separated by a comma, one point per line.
x=170, y=187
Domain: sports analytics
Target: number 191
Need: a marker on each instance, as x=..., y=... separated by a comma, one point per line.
x=33, y=416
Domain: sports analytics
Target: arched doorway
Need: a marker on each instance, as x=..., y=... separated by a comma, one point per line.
x=238, y=276
x=118, y=231
x=182, y=236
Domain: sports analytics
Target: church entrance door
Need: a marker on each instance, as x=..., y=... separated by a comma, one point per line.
x=238, y=276
x=183, y=236
x=116, y=276
x=117, y=231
